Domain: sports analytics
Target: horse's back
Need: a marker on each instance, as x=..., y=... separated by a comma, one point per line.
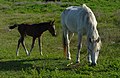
x=76, y=18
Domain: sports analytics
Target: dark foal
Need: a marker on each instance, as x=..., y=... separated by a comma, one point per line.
x=34, y=30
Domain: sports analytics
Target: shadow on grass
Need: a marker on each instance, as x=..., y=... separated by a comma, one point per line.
x=18, y=65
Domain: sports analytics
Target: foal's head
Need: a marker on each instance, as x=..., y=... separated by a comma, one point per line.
x=51, y=28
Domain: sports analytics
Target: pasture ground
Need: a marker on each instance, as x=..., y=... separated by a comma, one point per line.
x=53, y=64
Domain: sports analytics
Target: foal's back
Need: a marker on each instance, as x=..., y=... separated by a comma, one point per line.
x=34, y=30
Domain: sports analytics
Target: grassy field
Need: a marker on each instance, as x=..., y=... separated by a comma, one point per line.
x=53, y=64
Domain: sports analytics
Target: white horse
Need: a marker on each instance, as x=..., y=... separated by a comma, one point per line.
x=81, y=20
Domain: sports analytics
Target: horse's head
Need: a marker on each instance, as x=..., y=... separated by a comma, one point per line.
x=51, y=28
x=94, y=46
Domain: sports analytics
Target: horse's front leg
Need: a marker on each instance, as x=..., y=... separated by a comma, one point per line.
x=94, y=57
x=17, y=51
x=89, y=57
x=40, y=46
x=33, y=42
x=23, y=44
x=79, y=47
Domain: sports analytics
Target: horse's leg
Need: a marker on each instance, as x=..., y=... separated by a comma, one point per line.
x=72, y=34
x=79, y=47
x=89, y=57
x=40, y=46
x=23, y=44
x=33, y=42
x=66, y=42
x=17, y=51
x=94, y=57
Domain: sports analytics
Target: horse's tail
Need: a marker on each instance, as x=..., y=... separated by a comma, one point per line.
x=64, y=45
x=12, y=27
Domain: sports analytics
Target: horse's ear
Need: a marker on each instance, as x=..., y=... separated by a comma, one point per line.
x=15, y=24
x=52, y=22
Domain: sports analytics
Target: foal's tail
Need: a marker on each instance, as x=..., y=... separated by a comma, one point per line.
x=12, y=27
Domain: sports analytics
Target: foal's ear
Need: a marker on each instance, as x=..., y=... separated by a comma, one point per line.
x=52, y=22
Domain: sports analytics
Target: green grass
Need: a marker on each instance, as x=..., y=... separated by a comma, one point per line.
x=53, y=64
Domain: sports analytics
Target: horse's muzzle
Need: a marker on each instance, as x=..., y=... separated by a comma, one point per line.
x=55, y=35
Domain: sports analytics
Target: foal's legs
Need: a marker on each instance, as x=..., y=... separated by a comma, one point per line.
x=21, y=40
x=23, y=44
x=79, y=47
x=40, y=46
x=17, y=51
x=33, y=42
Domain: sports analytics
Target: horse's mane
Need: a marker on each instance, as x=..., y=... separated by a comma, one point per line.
x=86, y=8
x=92, y=22
x=90, y=13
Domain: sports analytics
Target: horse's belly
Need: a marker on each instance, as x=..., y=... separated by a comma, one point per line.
x=71, y=24
x=33, y=33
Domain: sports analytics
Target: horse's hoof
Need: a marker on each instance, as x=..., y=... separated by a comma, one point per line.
x=76, y=65
x=77, y=62
x=69, y=58
x=69, y=64
x=93, y=64
x=41, y=54
x=28, y=54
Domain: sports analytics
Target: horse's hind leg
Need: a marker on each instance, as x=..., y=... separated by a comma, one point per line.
x=33, y=42
x=23, y=44
x=71, y=36
x=40, y=46
x=66, y=44
x=17, y=51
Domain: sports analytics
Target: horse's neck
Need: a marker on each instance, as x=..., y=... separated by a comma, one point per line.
x=93, y=33
x=45, y=27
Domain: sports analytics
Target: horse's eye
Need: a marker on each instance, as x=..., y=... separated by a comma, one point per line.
x=98, y=50
x=98, y=39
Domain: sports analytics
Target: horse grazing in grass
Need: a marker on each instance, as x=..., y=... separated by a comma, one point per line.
x=81, y=20
x=34, y=30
